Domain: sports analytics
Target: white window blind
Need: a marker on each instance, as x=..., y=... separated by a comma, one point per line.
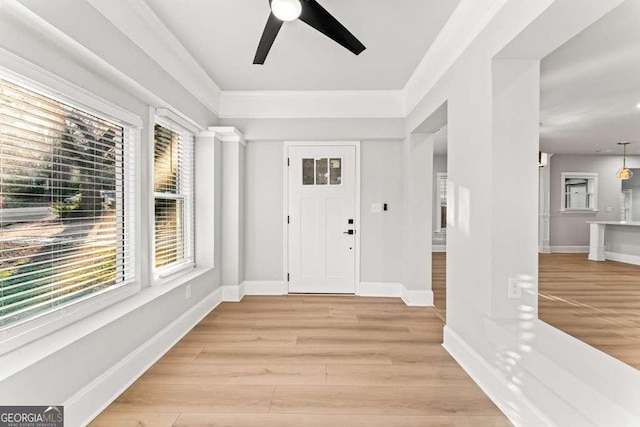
x=64, y=197
x=173, y=183
x=443, y=189
x=441, y=213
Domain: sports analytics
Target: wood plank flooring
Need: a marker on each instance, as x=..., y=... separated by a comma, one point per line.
x=596, y=302
x=439, y=283
x=308, y=361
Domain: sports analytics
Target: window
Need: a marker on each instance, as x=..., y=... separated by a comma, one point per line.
x=173, y=196
x=64, y=203
x=322, y=171
x=441, y=203
x=579, y=191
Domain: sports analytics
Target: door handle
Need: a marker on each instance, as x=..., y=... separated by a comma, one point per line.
x=349, y=232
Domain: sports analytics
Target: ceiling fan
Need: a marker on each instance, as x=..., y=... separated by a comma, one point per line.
x=312, y=14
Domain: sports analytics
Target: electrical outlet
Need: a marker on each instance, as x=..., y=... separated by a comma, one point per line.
x=188, y=292
x=514, y=291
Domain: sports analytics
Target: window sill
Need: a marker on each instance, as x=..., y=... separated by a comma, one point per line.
x=175, y=272
x=578, y=210
x=22, y=357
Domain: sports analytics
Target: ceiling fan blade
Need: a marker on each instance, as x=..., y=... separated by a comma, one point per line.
x=268, y=37
x=317, y=17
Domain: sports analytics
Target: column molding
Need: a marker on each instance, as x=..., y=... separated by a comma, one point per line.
x=232, y=209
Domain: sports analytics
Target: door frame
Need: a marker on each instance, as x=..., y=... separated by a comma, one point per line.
x=285, y=203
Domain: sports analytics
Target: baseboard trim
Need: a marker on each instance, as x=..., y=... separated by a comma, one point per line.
x=413, y=298
x=629, y=259
x=493, y=384
x=380, y=289
x=232, y=293
x=417, y=298
x=257, y=287
x=570, y=249
x=90, y=401
x=438, y=248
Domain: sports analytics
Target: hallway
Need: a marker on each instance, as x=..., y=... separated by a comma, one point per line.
x=308, y=361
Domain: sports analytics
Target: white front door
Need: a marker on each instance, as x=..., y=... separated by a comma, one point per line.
x=322, y=216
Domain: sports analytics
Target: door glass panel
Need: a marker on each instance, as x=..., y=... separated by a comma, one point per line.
x=322, y=171
x=307, y=171
x=335, y=171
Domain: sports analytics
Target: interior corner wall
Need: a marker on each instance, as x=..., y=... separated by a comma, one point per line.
x=380, y=233
x=570, y=229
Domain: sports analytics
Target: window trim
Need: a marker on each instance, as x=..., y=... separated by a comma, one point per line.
x=439, y=176
x=160, y=275
x=59, y=89
x=579, y=175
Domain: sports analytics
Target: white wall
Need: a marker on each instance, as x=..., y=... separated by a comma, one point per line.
x=535, y=373
x=263, y=211
x=96, y=344
x=380, y=233
x=571, y=229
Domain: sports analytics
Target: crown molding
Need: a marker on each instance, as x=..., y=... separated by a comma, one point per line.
x=312, y=104
x=136, y=20
x=462, y=28
x=459, y=32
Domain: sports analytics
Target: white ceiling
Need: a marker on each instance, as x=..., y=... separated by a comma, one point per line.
x=590, y=87
x=223, y=36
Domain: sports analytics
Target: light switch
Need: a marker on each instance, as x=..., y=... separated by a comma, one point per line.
x=609, y=209
x=376, y=208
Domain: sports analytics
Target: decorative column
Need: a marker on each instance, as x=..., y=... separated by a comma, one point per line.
x=418, y=160
x=514, y=186
x=232, y=211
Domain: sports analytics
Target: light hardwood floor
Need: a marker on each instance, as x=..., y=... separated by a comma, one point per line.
x=596, y=302
x=439, y=282
x=308, y=361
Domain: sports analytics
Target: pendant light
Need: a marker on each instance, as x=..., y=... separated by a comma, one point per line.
x=625, y=172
